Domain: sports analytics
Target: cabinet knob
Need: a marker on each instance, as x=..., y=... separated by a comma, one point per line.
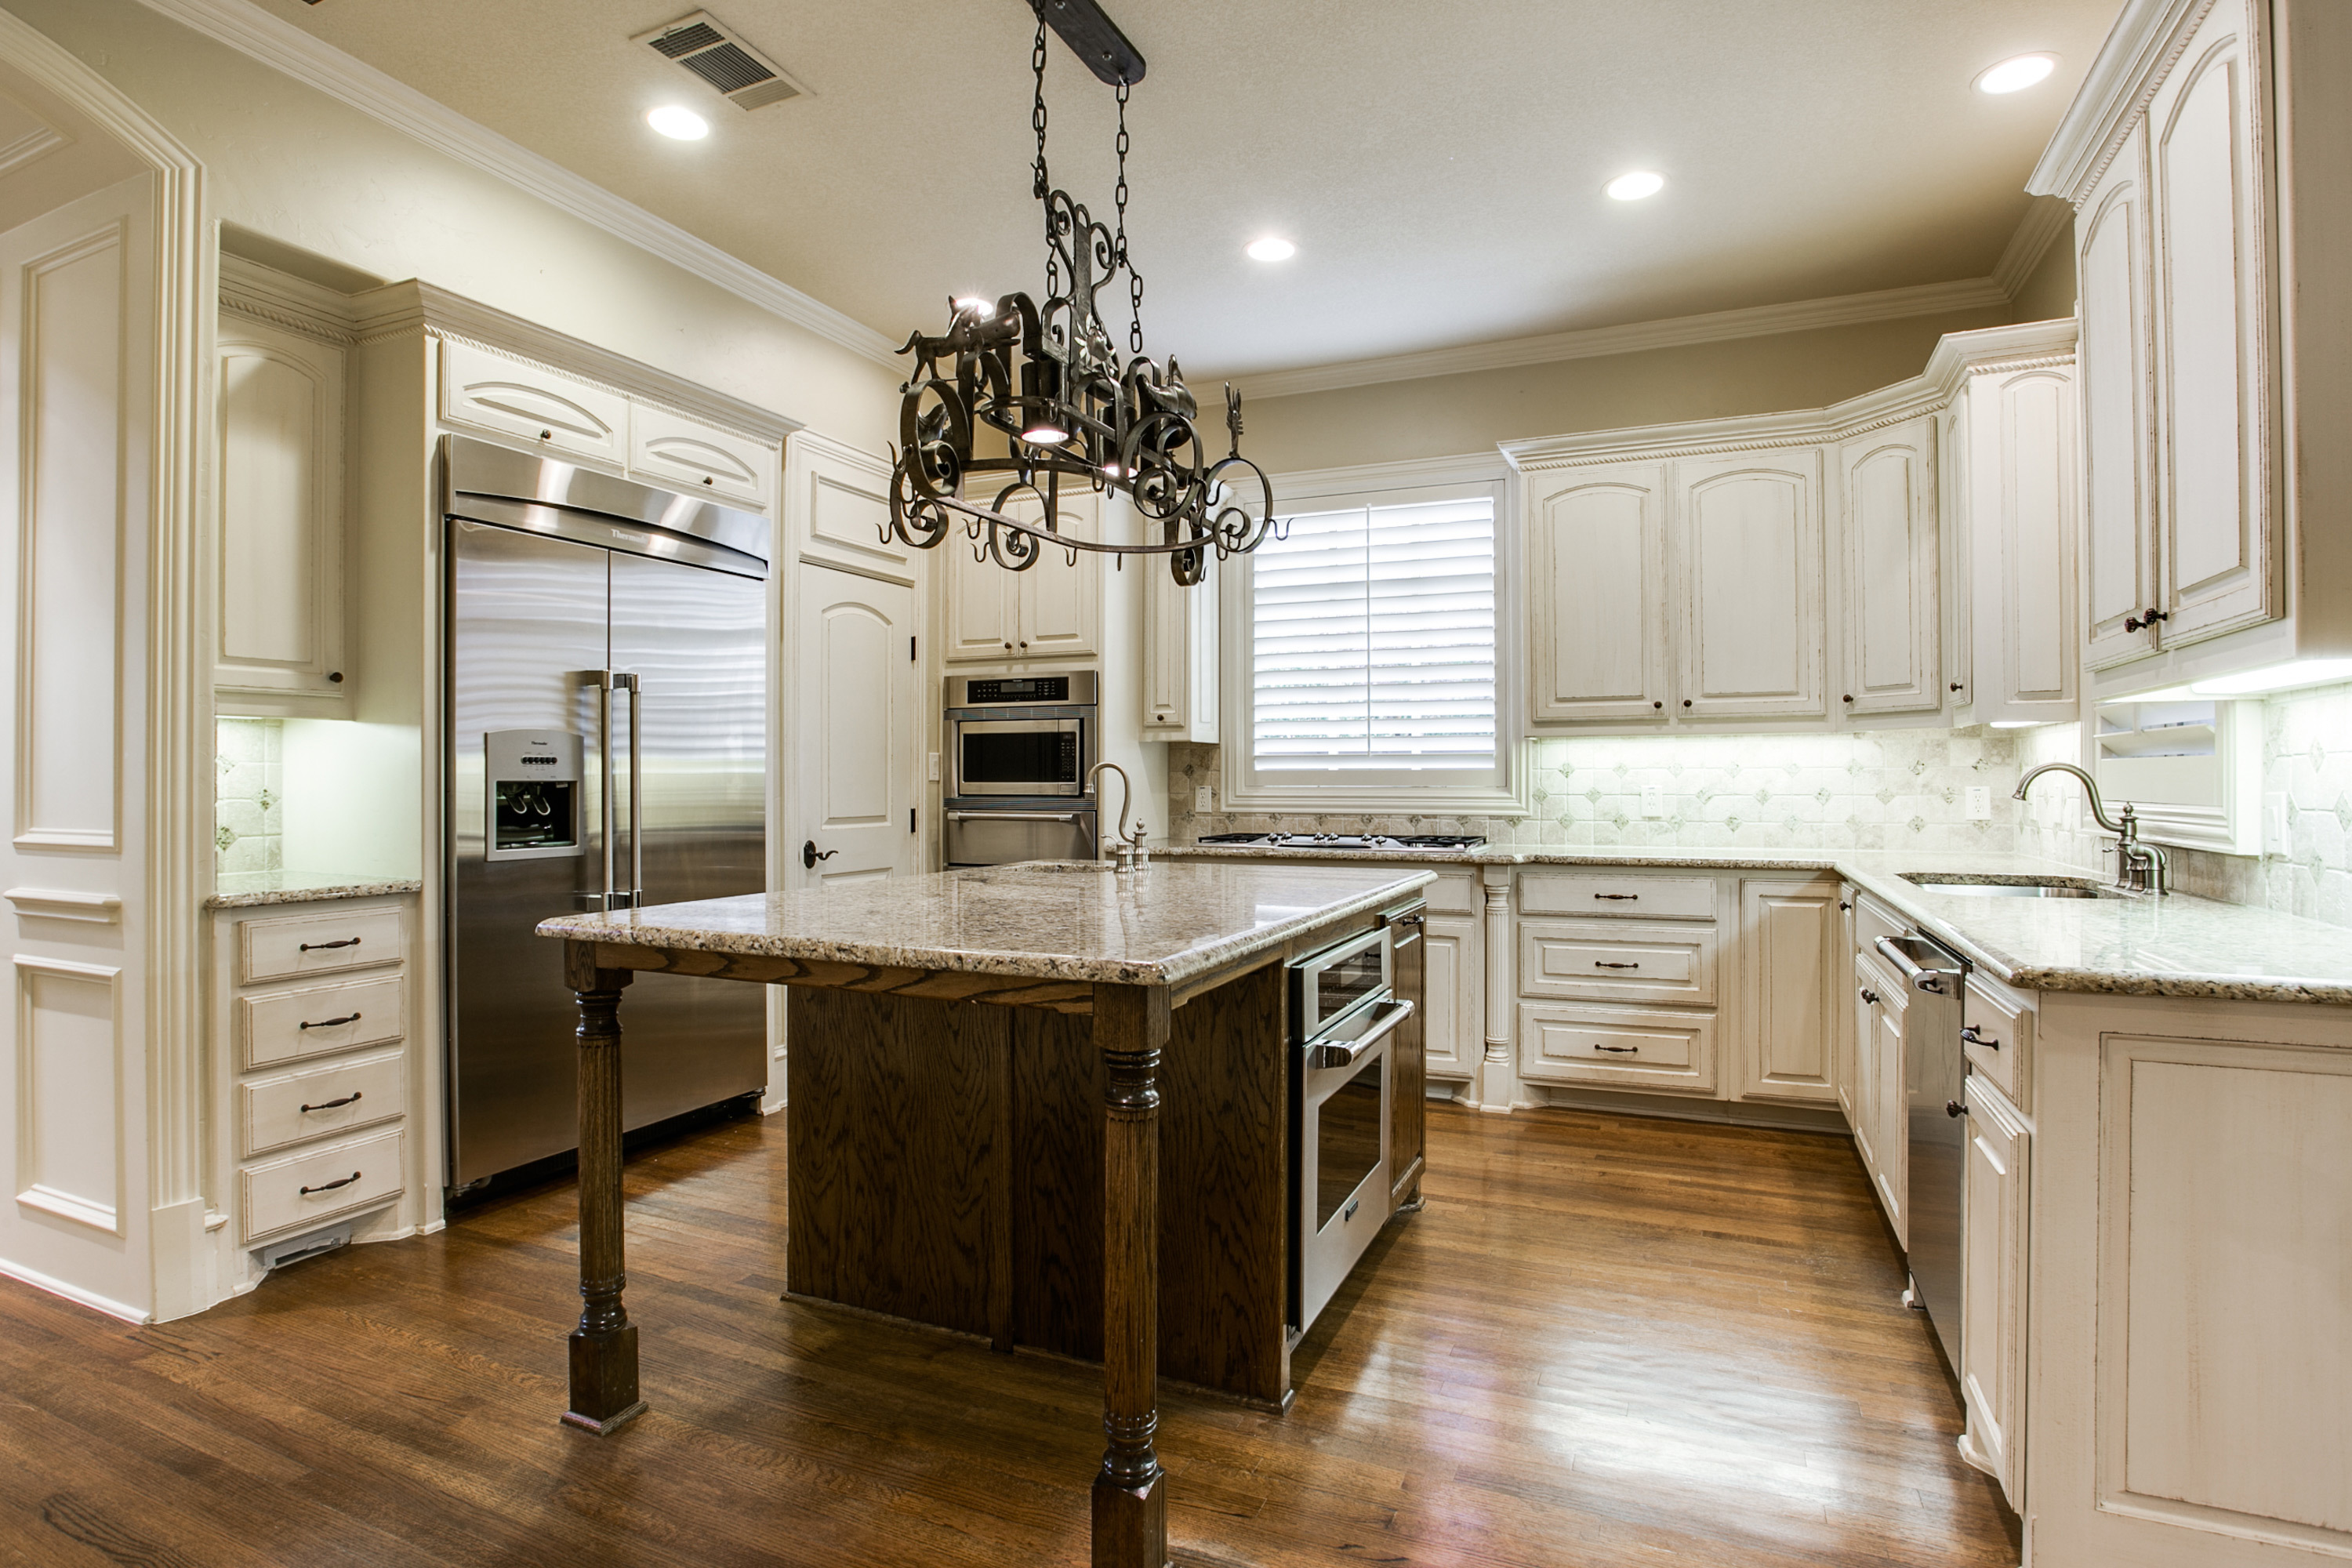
x=1870, y=996
x=2146, y=619
x=547, y=435
x=1008, y=647
x=1024, y=645
x=1657, y=705
x=1955, y=686
x=1843, y=905
x=1687, y=702
x=1849, y=697
x=336, y=676
x=1954, y=1108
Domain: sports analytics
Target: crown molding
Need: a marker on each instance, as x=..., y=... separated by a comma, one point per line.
x=2116, y=87
x=1594, y=343
x=1957, y=356
x=287, y=48
x=2043, y=222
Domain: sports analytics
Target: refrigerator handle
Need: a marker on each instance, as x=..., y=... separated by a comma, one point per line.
x=603, y=682
x=636, y=690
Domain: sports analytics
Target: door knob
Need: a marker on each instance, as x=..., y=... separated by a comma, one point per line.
x=810, y=855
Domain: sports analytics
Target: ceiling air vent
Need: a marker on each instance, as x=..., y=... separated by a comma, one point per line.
x=703, y=45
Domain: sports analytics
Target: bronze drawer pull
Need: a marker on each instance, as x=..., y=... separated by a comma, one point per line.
x=324, y=946
x=1629, y=897
x=1619, y=1051
x=350, y=1098
x=330, y=1186
x=1969, y=1036
x=331, y=1023
x=1604, y=963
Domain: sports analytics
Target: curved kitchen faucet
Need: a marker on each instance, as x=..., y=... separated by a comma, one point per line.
x=1127, y=848
x=2140, y=867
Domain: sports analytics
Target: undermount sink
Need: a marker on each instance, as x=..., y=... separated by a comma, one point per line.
x=2020, y=888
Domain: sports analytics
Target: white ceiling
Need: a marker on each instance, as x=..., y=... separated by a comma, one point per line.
x=1439, y=165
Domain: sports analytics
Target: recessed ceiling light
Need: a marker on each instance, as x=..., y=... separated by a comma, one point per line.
x=1633, y=187
x=678, y=124
x=2016, y=75
x=1272, y=250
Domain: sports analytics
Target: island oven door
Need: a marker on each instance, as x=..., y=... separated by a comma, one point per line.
x=1341, y=1079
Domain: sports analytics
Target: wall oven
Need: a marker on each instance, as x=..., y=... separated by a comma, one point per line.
x=1343, y=1010
x=1019, y=747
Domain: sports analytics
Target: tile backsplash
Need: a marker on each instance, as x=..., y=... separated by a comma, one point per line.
x=249, y=795
x=2306, y=773
x=1887, y=789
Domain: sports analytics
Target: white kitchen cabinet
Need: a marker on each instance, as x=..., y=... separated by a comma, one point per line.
x=1892, y=643
x=1994, y=1209
x=672, y=451
x=542, y=409
x=1881, y=1130
x=1052, y=610
x=1601, y=1044
x=280, y=644
x=837, y=510
x=1179, y=654
x=2119, y=515
x=1790, y=960
x=1747, y=554
x=2021, y=449
x=2208, y=176
x=1600, y=604
x=1952, y=540
x=1455, y=994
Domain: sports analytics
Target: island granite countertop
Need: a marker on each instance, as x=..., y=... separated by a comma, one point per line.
x=1164, y=924
x=2180, y=945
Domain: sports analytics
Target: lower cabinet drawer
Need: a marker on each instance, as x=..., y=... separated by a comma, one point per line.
x=1617, y=961
x=312, y=1188
x=276, y=1112
x=1620, y=893
x=1632, y=1047
x=318, y=1020
x=1999, y=1039
x=292, y=945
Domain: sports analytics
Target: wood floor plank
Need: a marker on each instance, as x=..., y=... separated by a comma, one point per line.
x=1608, y=1341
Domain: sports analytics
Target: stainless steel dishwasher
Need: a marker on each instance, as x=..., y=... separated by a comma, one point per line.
x=1935, y=1094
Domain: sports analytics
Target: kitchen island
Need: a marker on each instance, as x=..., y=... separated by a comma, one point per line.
x=933, y=1044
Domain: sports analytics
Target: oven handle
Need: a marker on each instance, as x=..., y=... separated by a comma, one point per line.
x=1347, y=1053
x=1014, y=816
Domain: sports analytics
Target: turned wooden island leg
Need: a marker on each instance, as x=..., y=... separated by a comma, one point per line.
x=605, y=1345
x=1130, y=1501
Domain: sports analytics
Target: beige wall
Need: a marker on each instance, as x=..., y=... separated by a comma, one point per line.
x=2050, y=292
x=1441, y=415
x=289, y=161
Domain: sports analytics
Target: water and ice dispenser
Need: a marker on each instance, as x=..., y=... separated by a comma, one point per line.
x=534, y=786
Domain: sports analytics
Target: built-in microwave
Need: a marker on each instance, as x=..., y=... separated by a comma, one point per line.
x=1029, y=736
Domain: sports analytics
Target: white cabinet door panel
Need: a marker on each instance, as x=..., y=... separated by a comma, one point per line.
x=1748, y=546
x=513, y=398
x=1598, y=595
x=1790, y=963
x=2212, y=334
x=2118, y=409
x=1892, y=643
x=857, y=728
x=674, y=452
x=1992, y=1272
x=1455, y=994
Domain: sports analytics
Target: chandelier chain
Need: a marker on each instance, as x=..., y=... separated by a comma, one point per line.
x=1042, y=184
x=1134, y=279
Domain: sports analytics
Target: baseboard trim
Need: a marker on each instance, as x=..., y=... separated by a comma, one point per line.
x=75, y=1293
x=1722, y=1113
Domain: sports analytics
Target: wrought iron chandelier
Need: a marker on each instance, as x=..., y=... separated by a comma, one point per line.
x=1048, y=381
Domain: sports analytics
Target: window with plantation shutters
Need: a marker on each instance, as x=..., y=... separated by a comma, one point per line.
x=1372, y=642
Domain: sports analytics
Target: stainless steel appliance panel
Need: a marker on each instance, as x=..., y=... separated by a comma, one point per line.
x=540, y=494
x=1937, y=1158
x=696, y=643
x=528, y=620
x=989, y=836
x=1341, y=1076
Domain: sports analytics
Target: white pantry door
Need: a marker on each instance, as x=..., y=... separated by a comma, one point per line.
x=856, y=736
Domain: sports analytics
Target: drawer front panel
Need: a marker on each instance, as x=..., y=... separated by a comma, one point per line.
x=1631, y=1047
x=2003, y=1049
x=318, y=945
x=272, y=1028
x=1618, y=962
x=277, y=1112
x=1453, y=896
x=342, y=1179
x=1642, y=897
x=1873, y=920
x=670, y=450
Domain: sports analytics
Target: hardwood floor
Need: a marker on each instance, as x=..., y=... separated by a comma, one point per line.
x=1605, y=1342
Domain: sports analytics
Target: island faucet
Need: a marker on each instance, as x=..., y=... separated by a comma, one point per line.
x=1127, y=848
x=2140, y=867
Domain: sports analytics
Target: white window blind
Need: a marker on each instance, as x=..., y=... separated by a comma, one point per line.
x=1372, y=639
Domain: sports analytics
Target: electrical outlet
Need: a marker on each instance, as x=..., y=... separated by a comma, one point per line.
x=1980, y=803
x=1654, y=800
x=1204, y=798
x=935, y=767
x=2274, y=839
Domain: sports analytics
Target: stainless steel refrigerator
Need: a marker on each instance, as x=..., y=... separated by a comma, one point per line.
x=607, y=747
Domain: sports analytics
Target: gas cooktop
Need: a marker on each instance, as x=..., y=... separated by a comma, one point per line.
x=1401, y=844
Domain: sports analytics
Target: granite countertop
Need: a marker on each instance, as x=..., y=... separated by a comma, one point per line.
x=251, y=890
x=2176, y=946
x=1164, y=924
